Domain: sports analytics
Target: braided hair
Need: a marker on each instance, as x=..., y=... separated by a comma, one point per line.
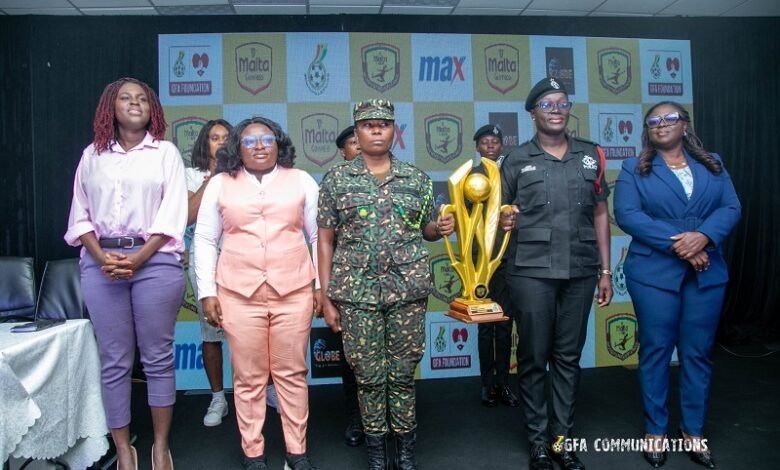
x=105, y=125
x=691, y=143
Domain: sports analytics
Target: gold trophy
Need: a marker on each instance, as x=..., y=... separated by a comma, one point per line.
x=480, y=226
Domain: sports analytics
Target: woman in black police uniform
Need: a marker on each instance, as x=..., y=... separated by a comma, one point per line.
x=558, y=254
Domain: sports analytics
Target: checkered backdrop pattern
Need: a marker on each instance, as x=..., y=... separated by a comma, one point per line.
x=444, y=86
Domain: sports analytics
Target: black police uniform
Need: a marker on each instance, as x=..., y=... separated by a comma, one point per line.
x=552, y=269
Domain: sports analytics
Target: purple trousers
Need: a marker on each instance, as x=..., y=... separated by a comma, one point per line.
x=140, y=311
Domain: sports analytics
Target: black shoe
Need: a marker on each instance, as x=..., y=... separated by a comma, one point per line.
x=505, y=396
x=567, y=460
x=699, y=456
x=298, y=462
x=354, y=436
x=255, y=463
x=653, y=456
x=540, y=458
x=376, y=445
x=404, y=451
x=489, y=397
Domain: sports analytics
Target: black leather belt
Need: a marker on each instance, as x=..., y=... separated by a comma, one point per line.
x=121, y=242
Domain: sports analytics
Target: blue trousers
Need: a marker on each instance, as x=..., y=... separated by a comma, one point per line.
x=687, y=319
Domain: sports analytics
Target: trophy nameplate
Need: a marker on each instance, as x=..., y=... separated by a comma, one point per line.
x=478, y=225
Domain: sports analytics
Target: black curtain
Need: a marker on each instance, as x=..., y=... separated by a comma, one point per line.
x=53, y=70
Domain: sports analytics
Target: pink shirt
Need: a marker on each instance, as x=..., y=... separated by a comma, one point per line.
x=137, y=193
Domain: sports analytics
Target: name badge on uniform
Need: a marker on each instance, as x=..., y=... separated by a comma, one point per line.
x=527, y=168
x=589, y=163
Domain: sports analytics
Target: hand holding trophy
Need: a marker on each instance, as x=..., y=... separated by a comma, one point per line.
x=478, y=225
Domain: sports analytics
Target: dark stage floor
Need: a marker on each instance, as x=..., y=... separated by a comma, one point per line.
x=456, y=432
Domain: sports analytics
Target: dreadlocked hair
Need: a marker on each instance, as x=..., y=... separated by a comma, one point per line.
x=690, y=141
x=105, y=126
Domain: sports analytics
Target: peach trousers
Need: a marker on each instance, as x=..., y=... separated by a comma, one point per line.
x=268, y=334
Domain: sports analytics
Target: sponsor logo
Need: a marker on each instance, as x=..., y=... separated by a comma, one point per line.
x=185, y=131
x=616, y=131
x=326, y=353
x=501, y=67
x=621, y=335
x=444, y=356
x=381, y=66
x=664, y=73
x=184, y=81
x=254, y=66
x=615, y=69
x=447, y=284
x=444, y=136
x=560, y=65
x=317, y=75
x=398, y=137
x=507, y=122
x=319, y=137
x=441, y=69
x=188, y=356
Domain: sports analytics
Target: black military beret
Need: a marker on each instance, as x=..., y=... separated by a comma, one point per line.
x=345, y=134
x=543, y=88
x=491, y=129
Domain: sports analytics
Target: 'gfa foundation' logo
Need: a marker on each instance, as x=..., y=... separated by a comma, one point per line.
x=615, y=69
x=185, y=132
x=621, y=335
x=317, y=75
x=254, y=66
x=381, y=66
x=319, y=137
x=501, y=67
x=447, y=284
x=444, y=136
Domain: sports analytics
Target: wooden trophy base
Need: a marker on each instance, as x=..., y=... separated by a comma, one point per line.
x=476, y=311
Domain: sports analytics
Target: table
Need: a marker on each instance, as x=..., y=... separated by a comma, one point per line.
x=52, y=404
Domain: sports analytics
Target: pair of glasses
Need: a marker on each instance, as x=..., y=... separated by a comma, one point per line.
x=655, y=121
x=548, y=106
x=251, y=141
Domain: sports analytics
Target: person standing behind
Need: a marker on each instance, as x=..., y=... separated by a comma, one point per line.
x=212, y=136
x=374, y=213
x=128, y=213
x=558, y=254
x=348, y=145
x=260, y=288
x=678, y=203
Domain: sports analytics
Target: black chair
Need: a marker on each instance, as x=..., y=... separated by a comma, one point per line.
x=60, y=294
x=17, y=289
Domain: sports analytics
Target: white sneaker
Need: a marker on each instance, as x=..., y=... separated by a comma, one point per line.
x=270, y=397
x=218, y=409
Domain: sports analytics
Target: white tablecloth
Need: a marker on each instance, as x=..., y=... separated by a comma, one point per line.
x=51, y=402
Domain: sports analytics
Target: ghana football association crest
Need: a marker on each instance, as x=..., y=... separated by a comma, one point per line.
x=317, y=75
x=446, y=283
x=622, y=332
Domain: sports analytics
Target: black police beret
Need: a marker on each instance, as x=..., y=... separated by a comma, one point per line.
x=543, y=88
x=491, y=129
x=345, y=134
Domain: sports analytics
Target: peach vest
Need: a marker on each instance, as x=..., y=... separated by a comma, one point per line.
x=263, y=237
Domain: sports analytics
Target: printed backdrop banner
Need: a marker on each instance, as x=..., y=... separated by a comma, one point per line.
x=444, y=87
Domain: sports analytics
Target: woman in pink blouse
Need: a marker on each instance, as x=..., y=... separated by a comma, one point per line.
x=129, y=212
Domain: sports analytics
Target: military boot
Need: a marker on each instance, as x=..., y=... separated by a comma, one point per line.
x=404, y=451
x=376, y=445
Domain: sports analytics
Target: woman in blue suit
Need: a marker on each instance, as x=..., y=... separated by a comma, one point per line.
x=677, y=202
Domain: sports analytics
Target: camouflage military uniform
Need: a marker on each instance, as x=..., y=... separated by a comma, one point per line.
x=380, y=282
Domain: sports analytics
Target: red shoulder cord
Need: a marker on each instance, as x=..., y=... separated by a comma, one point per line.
x=602, y=169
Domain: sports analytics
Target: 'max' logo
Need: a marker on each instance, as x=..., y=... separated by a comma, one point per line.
x=441, y=69
x=381, y=66
x=319, y=137
x=185, y=132
x=444, y=136
x=254, y=66
x=501, y=67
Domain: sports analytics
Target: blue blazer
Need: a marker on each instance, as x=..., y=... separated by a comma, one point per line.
x=653, y=208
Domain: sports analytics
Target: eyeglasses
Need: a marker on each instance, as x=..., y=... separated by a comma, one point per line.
x=548, y=106
x=251, y=141
x=655, y=121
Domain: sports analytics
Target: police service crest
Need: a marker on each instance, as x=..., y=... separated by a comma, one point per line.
x=589, y=163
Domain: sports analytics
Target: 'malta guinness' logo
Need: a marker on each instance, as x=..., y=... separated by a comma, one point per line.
x=381, y=66
x=615, y=69
x=447, y=284
x=444, y=136
x=501, y=67
x=185, y=131
x=317, y=75
x=319, y=137
x=254, y=66
x=621, y=335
